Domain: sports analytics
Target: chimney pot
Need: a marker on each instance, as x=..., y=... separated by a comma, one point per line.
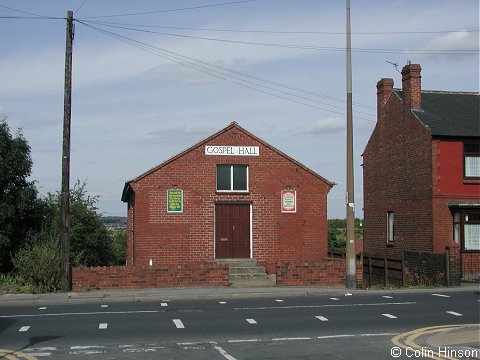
x=384, y=89
x=411, y=86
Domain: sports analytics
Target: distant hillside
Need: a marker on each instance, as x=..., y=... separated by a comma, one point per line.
x=115, y=221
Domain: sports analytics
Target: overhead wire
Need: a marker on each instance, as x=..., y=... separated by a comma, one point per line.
x=307, y=47
x=34, y=16
x=196, y=65
x=283, y=31
x=171, y=10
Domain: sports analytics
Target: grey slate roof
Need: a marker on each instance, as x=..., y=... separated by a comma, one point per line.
x=450, y=113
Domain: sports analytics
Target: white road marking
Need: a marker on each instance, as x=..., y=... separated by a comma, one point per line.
x=104, y=306
x=279, y=300
x=328, y=305
x=335, y=299
x=251, y=321
x=39, y=354
x=178, y=323
x=321, y=318
x=102, y=326
x=454, y=313
x=334, y=336
x=224, y=353
x=164, y=304
x=387, y=297
x=244, y=340
x=42, y=308
x=85, y=313
x=291, y=339
x=87, y=347
x=24, y=329
x=222, y=302
x=390, y=316
x=441, y=295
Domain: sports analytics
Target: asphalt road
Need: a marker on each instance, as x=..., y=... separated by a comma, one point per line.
x=360, y=326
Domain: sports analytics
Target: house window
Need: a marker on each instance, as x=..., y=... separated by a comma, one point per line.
x=232, y=178
x=471, y=161
x=390, y=226
x=466, y=229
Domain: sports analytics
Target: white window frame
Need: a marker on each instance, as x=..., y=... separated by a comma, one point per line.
x=231, y=179
x=390, y=227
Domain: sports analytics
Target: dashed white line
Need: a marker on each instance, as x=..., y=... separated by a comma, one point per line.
x=454, y=313
x=178, y=323
x=441, y=295
x=42, y=308
x=104, y=306
x=279, y=300
x=291, y=339
x=84, y=313
x=244, y=340
x=164, y=304
x=224, y=353
x=102, y=326
x=387, y=297
x=222, y=302
x=321, y=318
x=251, y=321
x=335, y=299
x=24, y=329
x=321, y=306
x=334, y=336
x=390, y=316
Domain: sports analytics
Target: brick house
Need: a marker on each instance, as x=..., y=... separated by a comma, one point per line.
x=421, y=173
x=231, y=195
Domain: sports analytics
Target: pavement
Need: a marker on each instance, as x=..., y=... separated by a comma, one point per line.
x=437, y=342
x=203, y=293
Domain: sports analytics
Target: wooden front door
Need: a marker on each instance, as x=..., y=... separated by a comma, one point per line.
x=232, y=231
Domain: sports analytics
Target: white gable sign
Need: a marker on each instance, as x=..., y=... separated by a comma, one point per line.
x=232, y=150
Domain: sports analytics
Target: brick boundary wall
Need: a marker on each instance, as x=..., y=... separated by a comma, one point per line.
x=428, y=268
x=329, y=272
x=136, y=277
x=471, y=266
x=424, y=268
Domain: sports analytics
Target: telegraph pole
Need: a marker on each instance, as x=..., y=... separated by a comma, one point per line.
x=349, y=198
x=65, y=195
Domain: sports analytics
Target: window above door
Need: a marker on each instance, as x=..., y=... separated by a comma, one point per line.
x=232, y=178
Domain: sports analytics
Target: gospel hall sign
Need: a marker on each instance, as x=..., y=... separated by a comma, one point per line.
x=232, y=150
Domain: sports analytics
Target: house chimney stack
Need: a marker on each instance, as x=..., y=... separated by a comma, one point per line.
x=411, y=86
x=384, y=89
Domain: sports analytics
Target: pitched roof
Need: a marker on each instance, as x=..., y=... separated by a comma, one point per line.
x=449, y=113
x=127, y=187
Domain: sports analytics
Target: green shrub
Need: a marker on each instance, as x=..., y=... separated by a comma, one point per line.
x=38, y=263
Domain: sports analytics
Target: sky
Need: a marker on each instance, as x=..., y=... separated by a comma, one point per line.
x=152, y=78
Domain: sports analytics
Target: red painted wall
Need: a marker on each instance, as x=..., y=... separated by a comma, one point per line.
x=189, y=236
x=449, y=162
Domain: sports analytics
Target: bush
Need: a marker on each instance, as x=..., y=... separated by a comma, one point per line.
x=38, y=262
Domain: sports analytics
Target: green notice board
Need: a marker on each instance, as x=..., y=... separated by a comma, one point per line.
x=174, y=201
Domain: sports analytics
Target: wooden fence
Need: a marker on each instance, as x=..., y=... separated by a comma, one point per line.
x=381, y=269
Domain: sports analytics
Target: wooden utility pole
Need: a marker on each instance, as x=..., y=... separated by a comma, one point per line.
x=349, y=198
x=65, y=195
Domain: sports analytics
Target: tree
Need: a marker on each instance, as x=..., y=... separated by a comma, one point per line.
x=90, y=242
x=21, y=212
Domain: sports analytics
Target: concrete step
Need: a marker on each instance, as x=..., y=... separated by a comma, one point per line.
x=256, y=276
x=238, y=262
x=253, y=270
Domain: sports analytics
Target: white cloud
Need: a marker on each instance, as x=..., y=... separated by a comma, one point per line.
x=180, y=131
x=330, y=125
x=453, y=41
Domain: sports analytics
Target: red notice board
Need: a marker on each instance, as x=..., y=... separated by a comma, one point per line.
x=289, y=201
